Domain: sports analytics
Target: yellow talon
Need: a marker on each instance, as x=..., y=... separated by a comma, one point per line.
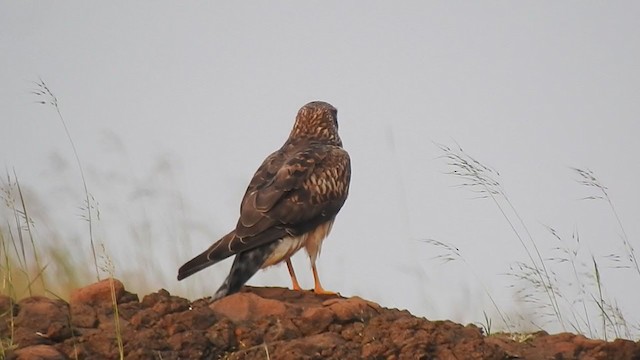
x=318, y=287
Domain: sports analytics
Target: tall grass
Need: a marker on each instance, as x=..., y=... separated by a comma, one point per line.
x=451, y=253
x=567, y=285
x=7, y=343
x=21, y=267
x=17, y=250
x=30, y=267
x=589, y=179
x=483, y=181
x=22, y=261
x=46, y=97
x=611, y=316
x=20, y=241
x=109, y=268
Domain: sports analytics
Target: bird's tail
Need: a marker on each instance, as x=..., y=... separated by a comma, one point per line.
x=244, y=266
x=217, y=252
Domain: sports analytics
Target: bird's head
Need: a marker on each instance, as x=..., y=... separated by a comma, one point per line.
x=318, y=121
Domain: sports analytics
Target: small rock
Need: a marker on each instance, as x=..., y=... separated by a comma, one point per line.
x=191, y=344
x=144, y=318
x=98, y=293
x=172, y=305
x=354, y=308
x=247, y=306
x=153, y=298
x=163, y=303
x=318, y=346
x=83, y=316
x=315, y=320
x=39, y=352
x=128, y=297
x=129, y=309
x=373, y=350
x=24, y=337
x=222, y=335
x=195, y=319
x=37, y=313
x=58, y=331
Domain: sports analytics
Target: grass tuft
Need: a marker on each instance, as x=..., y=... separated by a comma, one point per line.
x=482, y=180
x=589, y=179
x=569, y=303
x=21, y=238
x=108, y=267
x=451, y=253
x=46, y=97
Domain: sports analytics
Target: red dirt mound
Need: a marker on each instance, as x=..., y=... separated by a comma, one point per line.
x=260, y=323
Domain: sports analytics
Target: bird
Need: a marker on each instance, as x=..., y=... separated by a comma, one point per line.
x=290, y=203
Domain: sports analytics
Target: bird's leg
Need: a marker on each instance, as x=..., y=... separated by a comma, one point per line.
x=292, y=273
x=318, y=287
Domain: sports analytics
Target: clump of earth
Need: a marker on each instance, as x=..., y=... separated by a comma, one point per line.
x=260, y=323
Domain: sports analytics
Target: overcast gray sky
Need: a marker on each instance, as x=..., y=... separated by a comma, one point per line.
x=173, y=106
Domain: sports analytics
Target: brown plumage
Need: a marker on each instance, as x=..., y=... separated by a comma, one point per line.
x=290, y=203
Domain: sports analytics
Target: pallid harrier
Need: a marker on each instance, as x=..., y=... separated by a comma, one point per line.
x=290, y=203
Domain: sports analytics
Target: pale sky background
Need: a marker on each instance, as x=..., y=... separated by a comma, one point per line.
x=172, y=106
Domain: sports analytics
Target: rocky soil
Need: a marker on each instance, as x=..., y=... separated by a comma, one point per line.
x=260, y=323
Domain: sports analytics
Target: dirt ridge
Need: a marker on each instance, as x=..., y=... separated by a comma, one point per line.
x=261, y=323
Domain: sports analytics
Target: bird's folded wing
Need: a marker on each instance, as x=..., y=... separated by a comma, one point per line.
x=305, y=190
